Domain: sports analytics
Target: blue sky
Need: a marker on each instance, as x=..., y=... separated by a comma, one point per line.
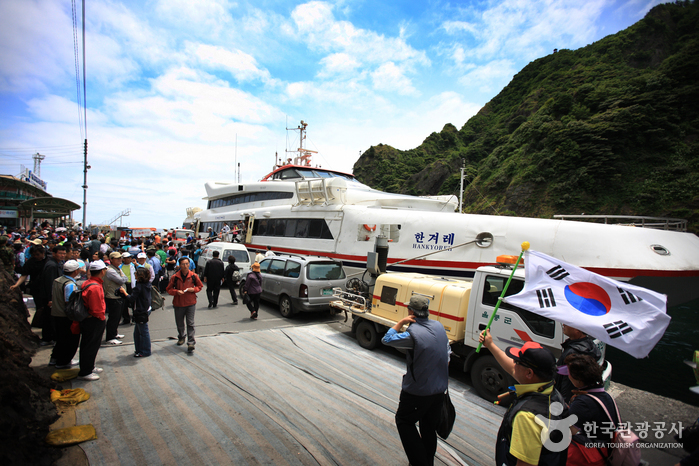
x=172, y=83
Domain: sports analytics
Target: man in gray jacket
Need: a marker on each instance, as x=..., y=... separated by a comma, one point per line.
x=425, y=381
x=113, y=297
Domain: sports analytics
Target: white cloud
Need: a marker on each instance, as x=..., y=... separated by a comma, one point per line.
x=240, y=64
x=527, y=29
x=316, y=24
x=204, y=18
x=390, y=78
x=338, y=64
x=453, y=27
x=37, y=46
x=490, y=77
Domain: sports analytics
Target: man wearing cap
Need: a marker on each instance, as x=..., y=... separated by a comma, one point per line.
x=92, y=328
x=112, y=284
x=141, y=262
x=519, y=438
x=424, y=383
x=129, y=269
x=66, y=341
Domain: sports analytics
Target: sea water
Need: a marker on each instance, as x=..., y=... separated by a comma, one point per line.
x=663, y=372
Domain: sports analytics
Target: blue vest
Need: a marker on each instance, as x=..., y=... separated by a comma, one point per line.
x=428, y=361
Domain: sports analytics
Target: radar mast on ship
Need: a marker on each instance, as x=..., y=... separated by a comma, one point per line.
x=303, y=155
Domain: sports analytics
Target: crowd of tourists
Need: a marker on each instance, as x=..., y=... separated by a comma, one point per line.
x=52, y=264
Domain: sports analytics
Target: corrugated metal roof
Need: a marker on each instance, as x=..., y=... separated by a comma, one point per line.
x=302, y=395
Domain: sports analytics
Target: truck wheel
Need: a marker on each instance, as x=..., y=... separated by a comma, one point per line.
x=488, y=378
x=240, y=289
x=367, y=337
x=285, y=307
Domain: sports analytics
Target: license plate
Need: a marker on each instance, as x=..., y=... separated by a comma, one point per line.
x=327, y=291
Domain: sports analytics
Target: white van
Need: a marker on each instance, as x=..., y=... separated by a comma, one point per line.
x=239, y=251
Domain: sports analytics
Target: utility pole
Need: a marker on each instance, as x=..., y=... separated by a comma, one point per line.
x=86, y=167
x=461, y=191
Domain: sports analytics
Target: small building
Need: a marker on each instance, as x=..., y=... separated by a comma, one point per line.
x=25, y=204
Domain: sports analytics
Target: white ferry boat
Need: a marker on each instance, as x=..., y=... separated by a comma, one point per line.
x=300, y=209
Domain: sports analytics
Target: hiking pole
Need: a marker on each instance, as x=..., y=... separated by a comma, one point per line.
x=525, y=246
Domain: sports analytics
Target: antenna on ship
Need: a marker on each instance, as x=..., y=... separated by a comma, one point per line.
x=304, y=157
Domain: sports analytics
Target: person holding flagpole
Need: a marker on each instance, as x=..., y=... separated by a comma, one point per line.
x=519, y=440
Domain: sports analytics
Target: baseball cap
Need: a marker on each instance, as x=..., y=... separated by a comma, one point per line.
x=419, y=306
x=71, y=266
x=115, y=255
x=126, y=254
x=141, y=255
x=97, y=265
x=534, y=356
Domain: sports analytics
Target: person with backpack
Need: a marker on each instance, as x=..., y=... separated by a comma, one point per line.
x=184, y=286
x=252, y=290
x=170, y=262
x=140, y=297
x=66, y=341
x=231, y=277
x=593, y=406
x=92, y=327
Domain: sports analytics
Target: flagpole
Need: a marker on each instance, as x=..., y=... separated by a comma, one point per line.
x=525, y=246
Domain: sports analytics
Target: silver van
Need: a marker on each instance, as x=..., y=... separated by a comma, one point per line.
x=300, y=284
x=237, y=250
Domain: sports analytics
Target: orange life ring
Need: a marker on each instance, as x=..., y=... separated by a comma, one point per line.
x=369, y=228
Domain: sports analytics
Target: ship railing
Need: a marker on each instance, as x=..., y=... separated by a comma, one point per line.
x=313, y=192
x=658, y=223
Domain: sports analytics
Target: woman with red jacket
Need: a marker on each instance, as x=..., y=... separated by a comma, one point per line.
x=92, y=328
x=184, y=286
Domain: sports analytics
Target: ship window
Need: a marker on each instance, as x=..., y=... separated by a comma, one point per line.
x=388, y=295
x=293, y=228
x=540, y=325
x=307, y=173
x=289, y=174
x=323, y=174
x=290, y=229
x=302, y=228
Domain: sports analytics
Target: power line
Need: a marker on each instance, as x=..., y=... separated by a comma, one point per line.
x=76, y=54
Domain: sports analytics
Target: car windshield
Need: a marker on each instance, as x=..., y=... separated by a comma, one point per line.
x=325, y=271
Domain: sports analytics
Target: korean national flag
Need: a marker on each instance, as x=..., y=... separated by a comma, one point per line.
x=625, y=316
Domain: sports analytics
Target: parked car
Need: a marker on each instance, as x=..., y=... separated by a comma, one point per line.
x=300, y=284
x=239, y=251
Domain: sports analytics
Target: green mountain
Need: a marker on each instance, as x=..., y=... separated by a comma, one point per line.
x=611, y=128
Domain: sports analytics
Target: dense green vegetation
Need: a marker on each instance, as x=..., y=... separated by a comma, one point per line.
x=611, y=128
